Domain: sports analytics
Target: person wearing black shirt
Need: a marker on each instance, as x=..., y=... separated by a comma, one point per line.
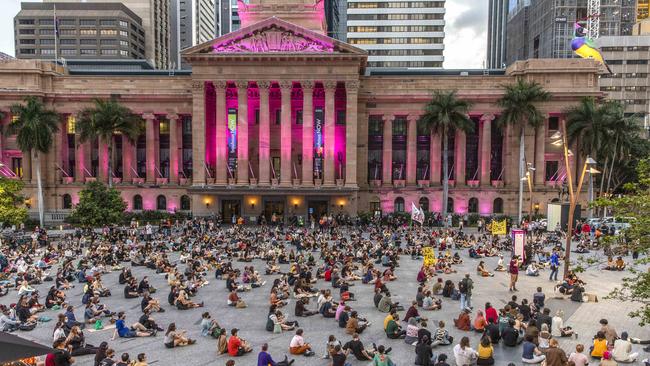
x=339, y=357
x=301, y=308
x=344, y=317
x=492, y=330
x=510, y=335
x=61, y=356
x=544, y=318
x=524, y=310
x=424, y=332
x=377, y=297
x=356, y=347
x=131, y=290
x=513, y=303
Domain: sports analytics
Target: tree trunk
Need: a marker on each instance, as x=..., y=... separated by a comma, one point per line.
x=110, y=162
x=611, y=170
x=602, y=184
x=522, y=163
x=445, y=176
x=39, y=189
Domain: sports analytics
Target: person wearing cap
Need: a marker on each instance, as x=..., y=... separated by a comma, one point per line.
x=622, y=350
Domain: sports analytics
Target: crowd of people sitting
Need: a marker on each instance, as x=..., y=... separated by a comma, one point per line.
x=316, y=269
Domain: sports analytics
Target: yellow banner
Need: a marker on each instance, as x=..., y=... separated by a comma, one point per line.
x=499, y=227
x=429, y=256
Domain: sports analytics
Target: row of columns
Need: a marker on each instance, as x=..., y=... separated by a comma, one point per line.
x=264, y=145
x=485, y=150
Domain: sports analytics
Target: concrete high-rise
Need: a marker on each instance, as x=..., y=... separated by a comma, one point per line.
x=398, y=34
x=192, y=22
x=155, y=15
x=496, y=46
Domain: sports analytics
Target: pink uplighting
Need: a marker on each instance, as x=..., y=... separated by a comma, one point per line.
x=210, y=125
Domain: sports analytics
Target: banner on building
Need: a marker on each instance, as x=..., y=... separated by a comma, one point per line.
x=232, y=140
x=429, y=256
x=417, y=215
x=319, y=116
x=499, y=227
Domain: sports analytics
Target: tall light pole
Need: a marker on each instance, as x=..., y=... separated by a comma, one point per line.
x=561, y=140
x=528, y=178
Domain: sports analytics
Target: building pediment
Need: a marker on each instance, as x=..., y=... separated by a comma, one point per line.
x=272, y=36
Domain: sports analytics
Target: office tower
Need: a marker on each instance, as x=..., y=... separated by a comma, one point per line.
x=398, y=34
x=496, y=42
x=192, y=22
x=155, y=15
x=85, y=31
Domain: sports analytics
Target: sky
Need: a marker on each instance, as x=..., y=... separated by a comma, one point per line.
x=465, y=32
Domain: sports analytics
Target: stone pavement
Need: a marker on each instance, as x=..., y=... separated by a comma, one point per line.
x=251, y=321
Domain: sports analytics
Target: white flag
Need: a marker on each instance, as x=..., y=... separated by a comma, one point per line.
x=417, y=214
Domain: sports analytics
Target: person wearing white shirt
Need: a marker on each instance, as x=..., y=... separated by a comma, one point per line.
x=298, y=345
x=464, y=354
x=622, y=349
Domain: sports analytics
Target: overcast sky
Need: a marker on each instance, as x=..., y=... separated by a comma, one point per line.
x=465, y=40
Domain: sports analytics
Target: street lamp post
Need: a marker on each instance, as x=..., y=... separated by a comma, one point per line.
x=573, y=198
x=528, y=178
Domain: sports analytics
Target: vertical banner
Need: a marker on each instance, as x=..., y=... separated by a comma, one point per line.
x=318, y=142
x=519, y=242
x=232, y=140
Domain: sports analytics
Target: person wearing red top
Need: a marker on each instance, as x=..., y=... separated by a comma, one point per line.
x=237, y=347
x=513, y=268
x=491, y=313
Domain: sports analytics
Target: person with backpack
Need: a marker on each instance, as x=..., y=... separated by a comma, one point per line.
x=465, y=287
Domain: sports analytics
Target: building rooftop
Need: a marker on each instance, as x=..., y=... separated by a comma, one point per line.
x=48, y=8
x=116, y=67
x=437, y=72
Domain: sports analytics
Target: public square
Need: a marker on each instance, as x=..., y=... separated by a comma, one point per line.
x=583, y=317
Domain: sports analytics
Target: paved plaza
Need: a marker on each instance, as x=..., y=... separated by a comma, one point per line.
x=251, y=321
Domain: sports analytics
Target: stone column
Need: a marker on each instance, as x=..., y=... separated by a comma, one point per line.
x=351, y=138
x=221, y=176
x=460, y=153
x=387, y=159
x=173, y=148
x=242, y=132
x=435, y=158
x=330, y=134
x=198, y=135
x=540, y=150
x=411, y=150
x=128, y=156
x=307, y=133
x=285, y=133
x=56, y=152
x=486, y=148
x=103, y=175
x=152, y=164
x=27, y=167
x=264, y=138
x=80, y=159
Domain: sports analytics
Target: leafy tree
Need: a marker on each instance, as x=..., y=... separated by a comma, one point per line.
x=104, y=120
x=519, y=109
x=98, y=205
x=444, y=114
x=11, y=212
x=635, y=204
x=34, y=127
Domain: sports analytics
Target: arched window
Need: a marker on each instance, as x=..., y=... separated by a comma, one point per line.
x=67, y=202
x=450, y=205
x=472, y=206
x=424, y=204
x=185, y=203
x=399, y=204
x=497, y=206
x=161, y=203
x=137, y=202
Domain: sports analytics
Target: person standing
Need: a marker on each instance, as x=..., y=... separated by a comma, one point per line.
x=465, y=289
x=513, y=269
x=555, y=266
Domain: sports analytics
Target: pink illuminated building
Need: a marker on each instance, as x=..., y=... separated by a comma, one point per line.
x=278, y=118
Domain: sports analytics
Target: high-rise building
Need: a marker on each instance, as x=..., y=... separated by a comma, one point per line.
x=155, y=15
x=497, y=21
x=192, y=22
x=398, y=34
x=544, y=28
x=85, y=31
x=642, y=9
x=227, y=16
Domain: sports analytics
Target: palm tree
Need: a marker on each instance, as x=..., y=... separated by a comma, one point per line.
x=519, y=109
x=446, y=113
x=34, y=126
x=105, y=119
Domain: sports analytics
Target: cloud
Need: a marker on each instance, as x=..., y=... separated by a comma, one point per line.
x=465, y=34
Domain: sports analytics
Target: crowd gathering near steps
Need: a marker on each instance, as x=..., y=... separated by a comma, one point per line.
x=309, y=271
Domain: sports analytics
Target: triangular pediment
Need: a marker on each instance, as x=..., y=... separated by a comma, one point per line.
x=273, y=36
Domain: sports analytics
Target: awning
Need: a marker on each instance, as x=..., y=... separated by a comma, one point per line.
x=14, y=348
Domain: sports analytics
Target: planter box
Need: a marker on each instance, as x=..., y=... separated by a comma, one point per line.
x=274, y=182
x=161, y=181
x=340, y=182
x=452, y=183
x=68, y=180
x=318, y=182
x=423, y=183
x=253, y=181
x=551, y=183
x=117, y=180
x=297, y=181
x=138, y=180
x=231, y=181
x=473, y=183
x=90, y=179
x=375, y=183
x=399, y=183
x=497, y=183
x=183, y=181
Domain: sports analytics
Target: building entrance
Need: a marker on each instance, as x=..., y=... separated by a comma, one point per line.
x=273, y=207
x=317, y=209
x=230, y=208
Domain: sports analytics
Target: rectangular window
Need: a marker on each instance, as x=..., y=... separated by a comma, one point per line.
x=28, y=51
x=124, y=33
x=31, y=31
x=108, y=32
x=299, y=117
x=87, y=51
x=109, y=52
x=107, y=22
x=124, y=43
x=72, y=124
x=551, y=170
x=257, y=116
x=47, y=51
x=68, y=52
x=68, y=41
x=27, y=41
x=68, y=32
x=87, y=41
x=278, y=115
x=48, y=21
x=124, y=53
x=110, y=41
x=26, y=21
x=67, y=22
x=88, y=22
x=124, y=24
x=340, y=117
x=553, y=123
x=399, y=127
x=88, y=32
